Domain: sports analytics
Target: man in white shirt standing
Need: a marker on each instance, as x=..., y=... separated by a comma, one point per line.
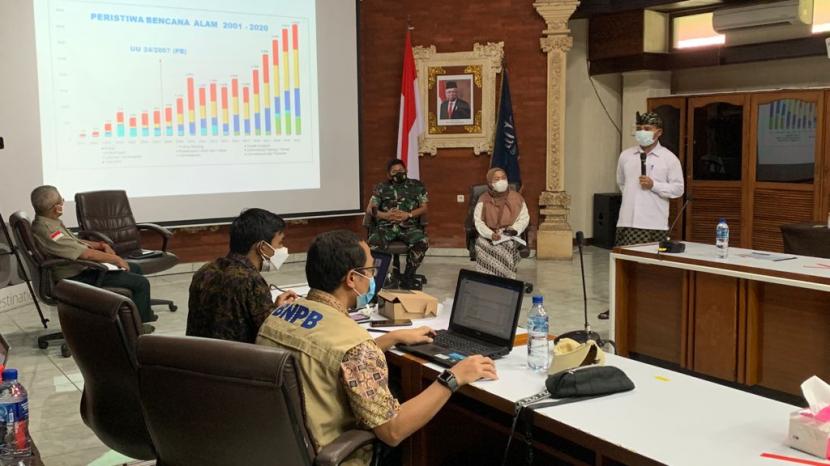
x=648, y=175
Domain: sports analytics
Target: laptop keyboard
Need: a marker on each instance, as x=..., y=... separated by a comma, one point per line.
x=459, y=343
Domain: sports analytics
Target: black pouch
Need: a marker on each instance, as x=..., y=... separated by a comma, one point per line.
x=588, y=381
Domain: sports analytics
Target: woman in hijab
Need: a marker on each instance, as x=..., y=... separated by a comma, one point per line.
x=500, y=214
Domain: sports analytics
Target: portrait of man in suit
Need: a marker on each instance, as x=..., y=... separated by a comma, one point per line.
x=454, y=108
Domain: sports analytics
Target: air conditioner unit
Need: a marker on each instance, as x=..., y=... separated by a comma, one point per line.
x=765, y=22
x=788, y=12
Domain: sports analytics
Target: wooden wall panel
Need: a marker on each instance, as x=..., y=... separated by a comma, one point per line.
x=794, y=324
x=715, y=326
x=655, y=306
x=775, y=207
x=710, y=204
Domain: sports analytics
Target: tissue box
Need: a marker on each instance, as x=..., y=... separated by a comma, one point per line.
x=404, y=304
x=809, y=435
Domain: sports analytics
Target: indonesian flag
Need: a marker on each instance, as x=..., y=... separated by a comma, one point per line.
x=409, y=123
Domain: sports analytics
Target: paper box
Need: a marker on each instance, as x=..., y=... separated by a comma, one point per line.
x=405, y=304
x=809, y=435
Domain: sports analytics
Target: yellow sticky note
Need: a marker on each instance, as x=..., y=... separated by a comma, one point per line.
x=661, y=378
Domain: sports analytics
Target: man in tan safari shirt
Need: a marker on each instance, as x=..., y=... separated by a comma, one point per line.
x=343, y=369
x=54, y=239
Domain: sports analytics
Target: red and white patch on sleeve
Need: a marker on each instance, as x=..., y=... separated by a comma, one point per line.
x=56, y=235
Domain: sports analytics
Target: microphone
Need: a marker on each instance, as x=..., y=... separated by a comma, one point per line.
x=642, y=164
x=669, y=246
x=581, y=336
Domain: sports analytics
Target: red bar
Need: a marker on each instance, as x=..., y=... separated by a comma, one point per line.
x=119, y=117
x=265, y=68
x=224, y=97
x=191, y=104
x=132, y=121
x=108, y=127
x=156, y=118
x=145, y=119
x=95, y=134
x=168, y=115
x=202, y=96
x=792, y=459
x=275, y=51
x=245, y=94
x=285, y=40
x=234, y=87
x=179, y=105
x=294, y=34
x=256, y=81
x=212, y=93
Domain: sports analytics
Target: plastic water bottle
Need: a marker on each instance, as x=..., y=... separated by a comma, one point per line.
x=538, y=351
x=14, y=417
x=722, y=239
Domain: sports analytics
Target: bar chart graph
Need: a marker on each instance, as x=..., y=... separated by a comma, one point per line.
x=266, y=110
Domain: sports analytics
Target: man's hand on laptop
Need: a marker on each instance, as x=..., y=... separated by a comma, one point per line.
x=473, y=368
x=413, y=336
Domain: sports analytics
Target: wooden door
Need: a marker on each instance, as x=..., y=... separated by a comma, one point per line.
x=716, y=166
x=673, y=112
x=784, y=164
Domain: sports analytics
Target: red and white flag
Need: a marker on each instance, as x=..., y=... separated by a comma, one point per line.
x=409, y=123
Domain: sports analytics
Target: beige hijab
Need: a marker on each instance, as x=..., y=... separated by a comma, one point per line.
x=500, y=209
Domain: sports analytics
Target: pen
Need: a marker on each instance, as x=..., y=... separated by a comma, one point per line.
x=784, y=259
x=377, y=330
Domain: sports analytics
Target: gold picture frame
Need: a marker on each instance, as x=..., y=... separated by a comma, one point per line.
x=457, y=92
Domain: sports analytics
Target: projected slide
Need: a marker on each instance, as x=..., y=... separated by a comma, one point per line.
x=786, y=140
x=223, y=95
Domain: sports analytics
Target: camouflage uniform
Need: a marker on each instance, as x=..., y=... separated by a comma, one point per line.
x=228, y=300
x=406, y=196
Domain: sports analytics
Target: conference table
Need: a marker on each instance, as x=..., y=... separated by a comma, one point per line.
x=756, y=319
x=669, y=418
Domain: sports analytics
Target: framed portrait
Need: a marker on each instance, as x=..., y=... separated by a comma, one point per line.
x=458, y=94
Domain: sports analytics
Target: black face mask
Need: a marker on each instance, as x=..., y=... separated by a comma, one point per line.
x=399, y=178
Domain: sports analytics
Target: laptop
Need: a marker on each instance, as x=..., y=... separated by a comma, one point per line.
x=382, y=262
x=483, y=320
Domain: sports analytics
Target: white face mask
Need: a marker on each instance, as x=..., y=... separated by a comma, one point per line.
x=500, y=186
x=275, y=262
x=644, y=138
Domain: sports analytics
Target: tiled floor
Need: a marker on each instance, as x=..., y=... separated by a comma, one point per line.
x=54, y=383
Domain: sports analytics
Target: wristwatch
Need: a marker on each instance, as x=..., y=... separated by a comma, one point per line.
x=447, y=379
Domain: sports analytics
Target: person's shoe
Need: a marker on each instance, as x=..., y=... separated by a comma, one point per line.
x=147, y=329
x=604, y=315
x=154, y=317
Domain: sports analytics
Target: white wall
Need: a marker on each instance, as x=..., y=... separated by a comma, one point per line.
x=592, y=144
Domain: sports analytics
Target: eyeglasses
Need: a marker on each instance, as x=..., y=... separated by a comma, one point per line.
x=368, y=272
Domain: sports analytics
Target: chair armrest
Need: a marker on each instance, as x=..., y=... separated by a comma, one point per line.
x=337, y=451
x=158, y=229
x=101, y=268
x=95, y=236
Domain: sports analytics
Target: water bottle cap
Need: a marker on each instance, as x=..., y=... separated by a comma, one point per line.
x=538, y=299
x=723, y=220
x=9, y=374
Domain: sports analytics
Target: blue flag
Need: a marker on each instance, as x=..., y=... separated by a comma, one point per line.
x=506, y=146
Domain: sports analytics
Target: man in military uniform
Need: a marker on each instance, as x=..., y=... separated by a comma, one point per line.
x=56, y=240
x=396, y=205
x=345, y=377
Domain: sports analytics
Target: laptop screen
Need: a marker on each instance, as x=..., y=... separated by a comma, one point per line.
x=381, y=261
x=487, y=304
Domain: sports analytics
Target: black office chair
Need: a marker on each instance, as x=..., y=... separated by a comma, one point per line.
x=40, y=270
x=107, y=216
x=472, y=234
x=397, y=249
x=215, y=402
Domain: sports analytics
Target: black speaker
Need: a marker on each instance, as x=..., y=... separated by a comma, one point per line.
x=606, y=213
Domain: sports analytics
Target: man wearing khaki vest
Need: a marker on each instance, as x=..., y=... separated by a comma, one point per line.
x=343, y=370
